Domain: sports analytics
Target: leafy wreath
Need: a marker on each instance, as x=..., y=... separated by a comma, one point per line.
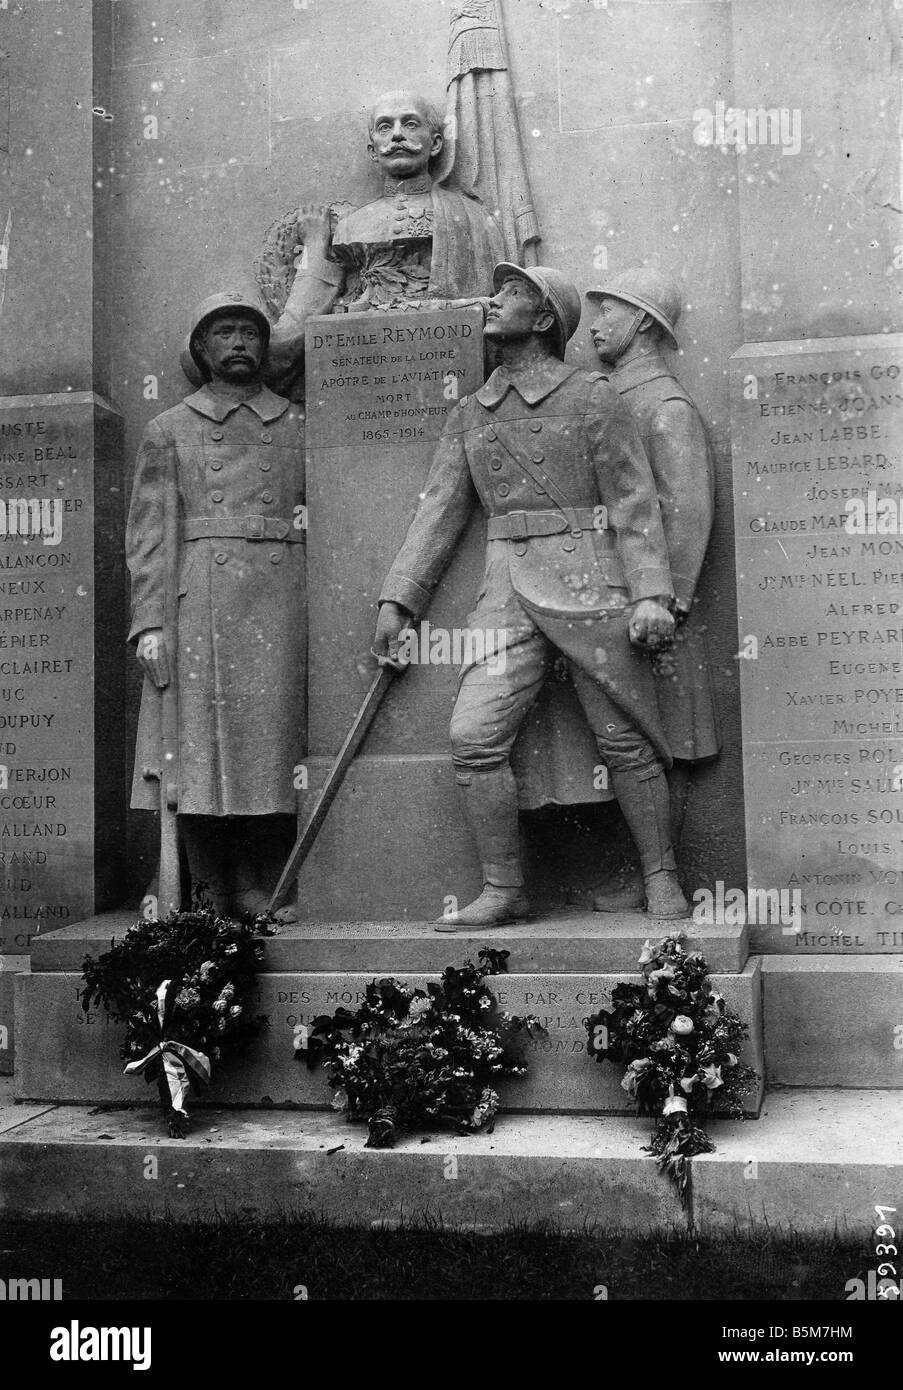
x=183, y=987
x=410, y=1059
x=681, y=1045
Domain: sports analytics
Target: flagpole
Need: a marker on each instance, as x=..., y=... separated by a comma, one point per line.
x=481, y=103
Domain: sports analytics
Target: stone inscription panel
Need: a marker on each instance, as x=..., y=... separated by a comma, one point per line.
x=818, y=501
x=46, y=666
x=380, y=387
x=67, y=1054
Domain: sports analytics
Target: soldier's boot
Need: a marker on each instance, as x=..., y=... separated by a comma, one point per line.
x=256, y=863
x=623, y=889
x=490, y=805
x=645, y=804
x=248, y=896
x=207, y=844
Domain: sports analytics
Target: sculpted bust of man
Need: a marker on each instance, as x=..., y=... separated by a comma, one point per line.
x=420, y=239
x=421, y=243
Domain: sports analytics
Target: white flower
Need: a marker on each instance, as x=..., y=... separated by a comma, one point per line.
x=681, y=1025
x=633, y=1073
x=487, y=1107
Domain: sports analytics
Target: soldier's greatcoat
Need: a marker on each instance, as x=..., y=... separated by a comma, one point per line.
x=572, y=427
x=676, y=445
x=237, y=471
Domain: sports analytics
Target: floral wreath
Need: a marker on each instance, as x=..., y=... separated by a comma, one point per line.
x=682, y=1045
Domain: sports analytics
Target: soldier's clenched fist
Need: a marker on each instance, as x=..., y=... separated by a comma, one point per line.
x=651, y=625
x=390, y=624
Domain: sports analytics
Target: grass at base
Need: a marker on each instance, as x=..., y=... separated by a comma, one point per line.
x=240, y=1259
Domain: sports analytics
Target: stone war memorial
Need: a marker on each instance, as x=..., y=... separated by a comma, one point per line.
x=451, y=501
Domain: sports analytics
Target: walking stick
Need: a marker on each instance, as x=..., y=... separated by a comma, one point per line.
x=166, y=769
x=169, y=891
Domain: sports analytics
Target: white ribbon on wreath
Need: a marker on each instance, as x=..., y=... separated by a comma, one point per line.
x=178, y=1060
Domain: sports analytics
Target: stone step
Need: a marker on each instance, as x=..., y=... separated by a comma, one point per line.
x=833, y=1020
x=10, y=966
x=815, y=1160
x=66, y=1055
x=567, y=942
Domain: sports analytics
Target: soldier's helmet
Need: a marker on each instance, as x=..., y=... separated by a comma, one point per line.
x=648, y=289
x=558, y=295
x=237, y=301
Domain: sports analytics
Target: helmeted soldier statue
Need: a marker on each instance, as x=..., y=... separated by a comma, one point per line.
x=576, y=564
x=230, y=460
x=635, y=317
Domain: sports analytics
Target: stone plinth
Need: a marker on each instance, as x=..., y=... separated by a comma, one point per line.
x=832, y=1021
x=10, y=966
x=379, y=389
x=813, y=1162
x=575, y=942
x=817, y=430
x=61, y=662
x=67, y=1055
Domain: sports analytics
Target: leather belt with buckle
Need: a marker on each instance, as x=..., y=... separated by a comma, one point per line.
x=522, y=525
x=244, y=528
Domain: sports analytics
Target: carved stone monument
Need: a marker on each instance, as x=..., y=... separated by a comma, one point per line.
x=550, y=452
x=421, y=243
x=818, y=501
x=379, y=390
x=636, y=314
x=61, y=688
x=215, y=550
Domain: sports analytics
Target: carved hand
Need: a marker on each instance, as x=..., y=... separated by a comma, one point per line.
x=390, y=624
x=152, y=656
x=312, y=226
x=651, y=625
x=478, y=301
